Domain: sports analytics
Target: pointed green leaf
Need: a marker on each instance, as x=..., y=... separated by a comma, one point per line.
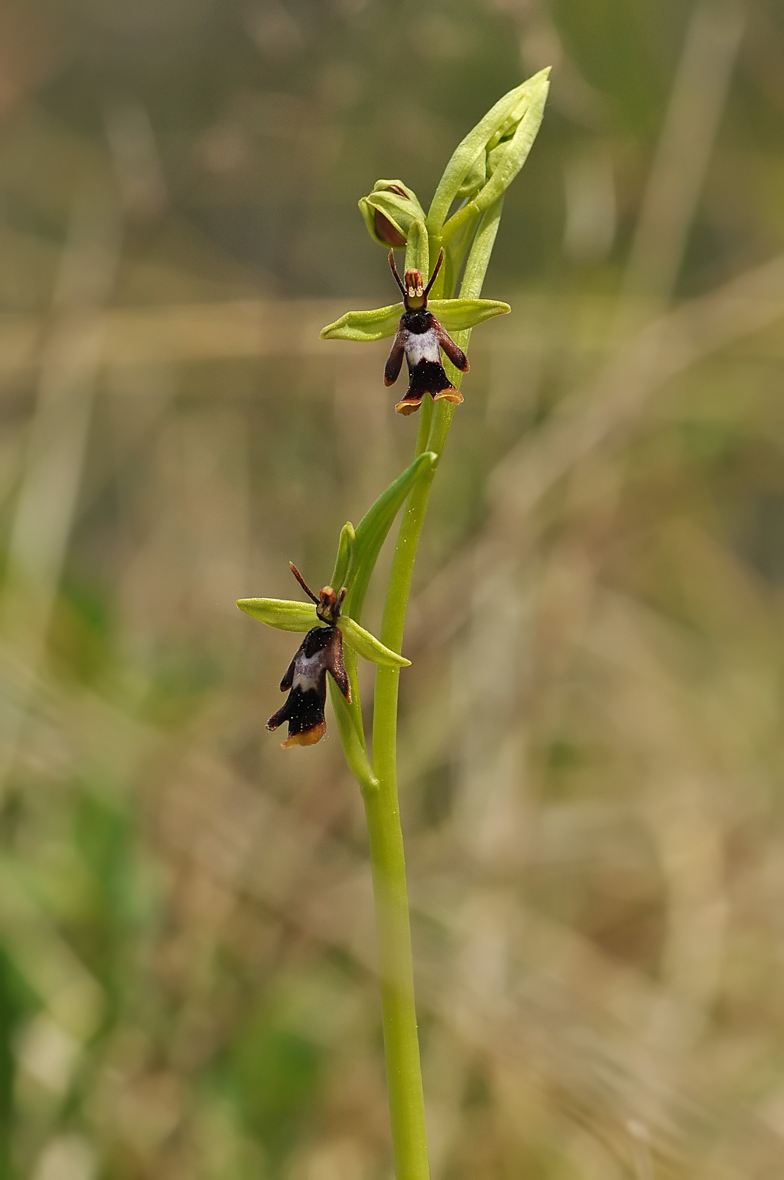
x=281, y=613
x=458, y=314
x=346, y=558
x=371, y=532
x=368, y=646
x=365, y=326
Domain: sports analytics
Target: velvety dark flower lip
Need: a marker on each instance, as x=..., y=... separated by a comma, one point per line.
x=305, y=679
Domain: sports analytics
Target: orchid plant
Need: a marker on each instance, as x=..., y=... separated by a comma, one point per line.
x=455, y=237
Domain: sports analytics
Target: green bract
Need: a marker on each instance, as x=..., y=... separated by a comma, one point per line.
x=287, y=615
x=375, y=524
x=454, y=314
x=389, y=211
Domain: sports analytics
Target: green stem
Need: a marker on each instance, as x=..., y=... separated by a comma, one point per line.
x=401, y=1045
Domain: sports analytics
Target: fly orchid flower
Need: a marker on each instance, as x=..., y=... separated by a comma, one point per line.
x=420, y=327
x=419, y=337
x=320, y=652
x=462, y=217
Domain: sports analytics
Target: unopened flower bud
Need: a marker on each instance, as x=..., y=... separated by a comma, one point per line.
x=484, y=164
x=389, y=211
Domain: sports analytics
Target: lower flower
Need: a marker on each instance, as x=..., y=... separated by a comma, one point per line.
x=321, y=651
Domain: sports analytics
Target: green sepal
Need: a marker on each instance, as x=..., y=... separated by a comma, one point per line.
x=300, y=616
x=346, y=557
x=458, y=314
x=371, y=532
x=282, y=613
x=368, y=646
x=365, y=326
x=455, y=314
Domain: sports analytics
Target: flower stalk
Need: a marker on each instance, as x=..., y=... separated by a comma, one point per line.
x=474, y=181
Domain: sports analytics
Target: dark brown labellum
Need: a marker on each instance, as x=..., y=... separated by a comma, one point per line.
x=320, y=652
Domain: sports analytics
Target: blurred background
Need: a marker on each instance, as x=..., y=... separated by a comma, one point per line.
x=591, y=733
